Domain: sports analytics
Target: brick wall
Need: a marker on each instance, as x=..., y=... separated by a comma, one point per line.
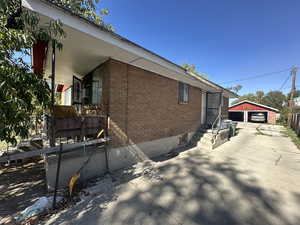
x=271, y=117
x=144, y=106
x=153, y=106
x=117, y=102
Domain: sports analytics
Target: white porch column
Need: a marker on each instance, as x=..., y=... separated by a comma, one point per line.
x=245, y=116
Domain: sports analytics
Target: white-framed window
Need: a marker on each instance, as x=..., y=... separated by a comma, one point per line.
x=183, y=92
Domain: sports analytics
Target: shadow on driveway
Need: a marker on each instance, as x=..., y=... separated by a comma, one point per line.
x=194, y=190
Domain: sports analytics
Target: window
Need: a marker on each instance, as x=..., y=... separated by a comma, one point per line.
x=183, y=92
x=76, y=90
x=92, y=87
x=97, y=87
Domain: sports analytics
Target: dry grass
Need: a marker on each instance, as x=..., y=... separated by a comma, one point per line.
x=3, y=146
x=293, y=135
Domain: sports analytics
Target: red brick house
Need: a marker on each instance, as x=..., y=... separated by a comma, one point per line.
x=151, y=103
x=244, y=110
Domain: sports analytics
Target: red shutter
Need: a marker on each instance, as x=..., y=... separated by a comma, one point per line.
x=39, y=51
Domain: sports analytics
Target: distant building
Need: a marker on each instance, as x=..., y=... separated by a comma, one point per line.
x=247, y=111
x=297, y=101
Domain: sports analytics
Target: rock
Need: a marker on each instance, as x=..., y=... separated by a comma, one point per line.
x=31, y=221
x=102, y=186
x=8, y=220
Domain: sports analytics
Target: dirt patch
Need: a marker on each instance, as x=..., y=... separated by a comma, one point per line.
x=20, y=186
x=103, y=191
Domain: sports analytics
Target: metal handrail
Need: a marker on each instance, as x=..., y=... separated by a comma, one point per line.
x=217, y=119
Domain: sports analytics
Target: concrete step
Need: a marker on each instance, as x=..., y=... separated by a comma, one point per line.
x=204, y=147
x=206, y=137
x=202, y=134
x=204, y=142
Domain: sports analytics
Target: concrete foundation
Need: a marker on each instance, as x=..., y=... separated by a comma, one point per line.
x=118, y=158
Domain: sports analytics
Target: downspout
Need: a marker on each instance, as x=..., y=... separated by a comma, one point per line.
x=127, y=109
x=220, y=109
x=206, y=109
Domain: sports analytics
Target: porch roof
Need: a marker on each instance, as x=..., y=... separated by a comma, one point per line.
x=87, y=45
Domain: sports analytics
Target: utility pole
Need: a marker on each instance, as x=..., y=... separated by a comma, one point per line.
x=292, y=94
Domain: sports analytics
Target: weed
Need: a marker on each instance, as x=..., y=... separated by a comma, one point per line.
x=288, y=132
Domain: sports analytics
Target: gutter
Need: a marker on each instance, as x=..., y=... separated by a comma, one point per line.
x=212, y=84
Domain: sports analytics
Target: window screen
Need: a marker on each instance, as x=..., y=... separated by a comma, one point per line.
x=183, y=92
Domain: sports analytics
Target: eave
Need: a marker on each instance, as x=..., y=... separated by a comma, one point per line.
x=88, y=44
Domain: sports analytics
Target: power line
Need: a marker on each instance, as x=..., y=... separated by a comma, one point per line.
x=285, y=81
x=298, y=85
x=256, y=76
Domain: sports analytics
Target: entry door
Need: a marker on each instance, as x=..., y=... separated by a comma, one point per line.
x=213, y=102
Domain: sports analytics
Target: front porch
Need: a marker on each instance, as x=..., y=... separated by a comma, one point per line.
x=80, y=110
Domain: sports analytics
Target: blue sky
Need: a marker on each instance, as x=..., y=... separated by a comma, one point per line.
x=225, y=39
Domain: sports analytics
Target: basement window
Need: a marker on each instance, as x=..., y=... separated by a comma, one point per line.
x=183, y=92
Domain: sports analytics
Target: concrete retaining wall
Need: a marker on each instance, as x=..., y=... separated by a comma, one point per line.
x=117, y=157
x=221, y=138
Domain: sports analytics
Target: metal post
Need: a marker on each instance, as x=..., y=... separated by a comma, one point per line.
x=106, y=158
x=106, y=144
x=57, y=175
x=52, y=136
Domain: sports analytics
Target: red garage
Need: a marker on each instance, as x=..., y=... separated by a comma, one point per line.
x=247, y=111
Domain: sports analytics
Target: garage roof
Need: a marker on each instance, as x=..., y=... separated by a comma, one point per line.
x=254, y=103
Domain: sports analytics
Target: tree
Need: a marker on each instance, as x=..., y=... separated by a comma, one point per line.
x=260, y=96
x=192, y=69
x=296, y=94
x=275, y=99
x=21, y=91
x=250, y=97
x=86, y=9
x=235, y=89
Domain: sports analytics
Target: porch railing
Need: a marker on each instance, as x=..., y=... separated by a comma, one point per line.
x=69, y=124
x=79, y=126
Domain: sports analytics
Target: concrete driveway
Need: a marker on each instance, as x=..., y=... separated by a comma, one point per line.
x=253, y=179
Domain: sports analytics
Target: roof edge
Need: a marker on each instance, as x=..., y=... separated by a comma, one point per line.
x=121, y=38
x=204, y=80
x=254, y=103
